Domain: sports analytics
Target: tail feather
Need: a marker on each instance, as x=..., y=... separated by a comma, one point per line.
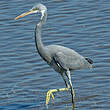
x=89, y=60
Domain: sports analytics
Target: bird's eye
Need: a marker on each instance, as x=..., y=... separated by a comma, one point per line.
x=35, y=9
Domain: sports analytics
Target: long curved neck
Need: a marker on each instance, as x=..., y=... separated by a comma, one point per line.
x=39, y=44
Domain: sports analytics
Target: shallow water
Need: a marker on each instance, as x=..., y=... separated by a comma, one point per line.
x=83, y=25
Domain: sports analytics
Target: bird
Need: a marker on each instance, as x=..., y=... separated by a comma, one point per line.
x=62, y=59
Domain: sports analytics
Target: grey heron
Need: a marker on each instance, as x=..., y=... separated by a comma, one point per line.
x=60, y=58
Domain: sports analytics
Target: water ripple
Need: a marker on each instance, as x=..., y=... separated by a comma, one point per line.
x=25, y=78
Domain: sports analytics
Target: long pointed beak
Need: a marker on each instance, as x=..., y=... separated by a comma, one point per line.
x=24, y=14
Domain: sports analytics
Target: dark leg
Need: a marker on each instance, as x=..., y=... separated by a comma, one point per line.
x=50, y=92
x=72, y=90
x=67, y=85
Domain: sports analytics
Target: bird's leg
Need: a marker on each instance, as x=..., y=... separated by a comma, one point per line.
x=72, y=90
x=50, y=92
x=67, y=85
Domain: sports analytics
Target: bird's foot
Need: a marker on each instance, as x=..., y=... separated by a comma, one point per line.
x=50, y=93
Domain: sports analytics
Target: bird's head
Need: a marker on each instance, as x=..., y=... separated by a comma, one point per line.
x=35, y=9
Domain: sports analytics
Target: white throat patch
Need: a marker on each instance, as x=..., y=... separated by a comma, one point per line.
x=43, y=11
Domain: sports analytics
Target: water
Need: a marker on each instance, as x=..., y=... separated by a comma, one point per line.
x=83, y=25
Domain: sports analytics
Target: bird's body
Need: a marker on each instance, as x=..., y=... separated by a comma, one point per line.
x=60, y=58
x=71, y=59
x=66, y=58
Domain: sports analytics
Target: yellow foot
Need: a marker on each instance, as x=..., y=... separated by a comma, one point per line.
x=50, y=93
